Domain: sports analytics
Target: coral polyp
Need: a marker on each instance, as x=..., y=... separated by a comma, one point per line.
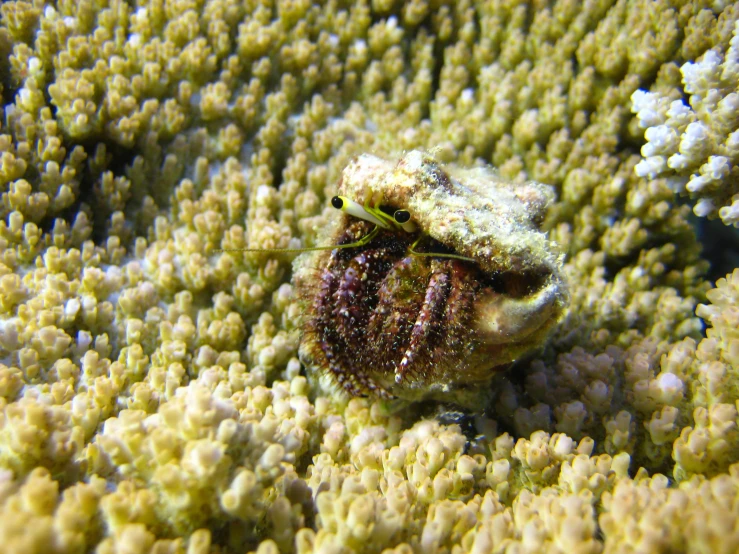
x=463, y=285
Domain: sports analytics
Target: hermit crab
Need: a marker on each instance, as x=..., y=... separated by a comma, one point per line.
x=436, y=277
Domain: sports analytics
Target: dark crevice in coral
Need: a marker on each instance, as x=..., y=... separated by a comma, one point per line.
x=120, y=158
x=304, y=461
x=720, y=246
x=436, y=70
x=598, y=534
x=615, y=264
x=8, y=88
x=505, y=425
x=719, y=242
x=279, y=163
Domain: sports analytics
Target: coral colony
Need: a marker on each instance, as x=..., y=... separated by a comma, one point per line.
x=491, y=200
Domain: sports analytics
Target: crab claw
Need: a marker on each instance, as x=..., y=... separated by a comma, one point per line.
x=503, y=319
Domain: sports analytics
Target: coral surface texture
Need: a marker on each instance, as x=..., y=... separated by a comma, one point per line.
x=152, y=394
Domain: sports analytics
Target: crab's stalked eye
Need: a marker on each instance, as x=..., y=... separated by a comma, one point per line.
x=337, y=202
x=403, y=218
x=357, y=210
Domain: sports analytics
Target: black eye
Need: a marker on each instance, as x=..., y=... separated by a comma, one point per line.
x=337, y=202
x=402, y=216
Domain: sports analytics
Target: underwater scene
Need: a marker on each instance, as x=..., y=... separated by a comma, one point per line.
x=436, y=276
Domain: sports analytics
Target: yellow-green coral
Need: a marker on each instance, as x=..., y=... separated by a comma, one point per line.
x=151, y=399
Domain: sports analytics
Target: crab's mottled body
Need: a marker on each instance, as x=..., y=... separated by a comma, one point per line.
x=381, y=320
